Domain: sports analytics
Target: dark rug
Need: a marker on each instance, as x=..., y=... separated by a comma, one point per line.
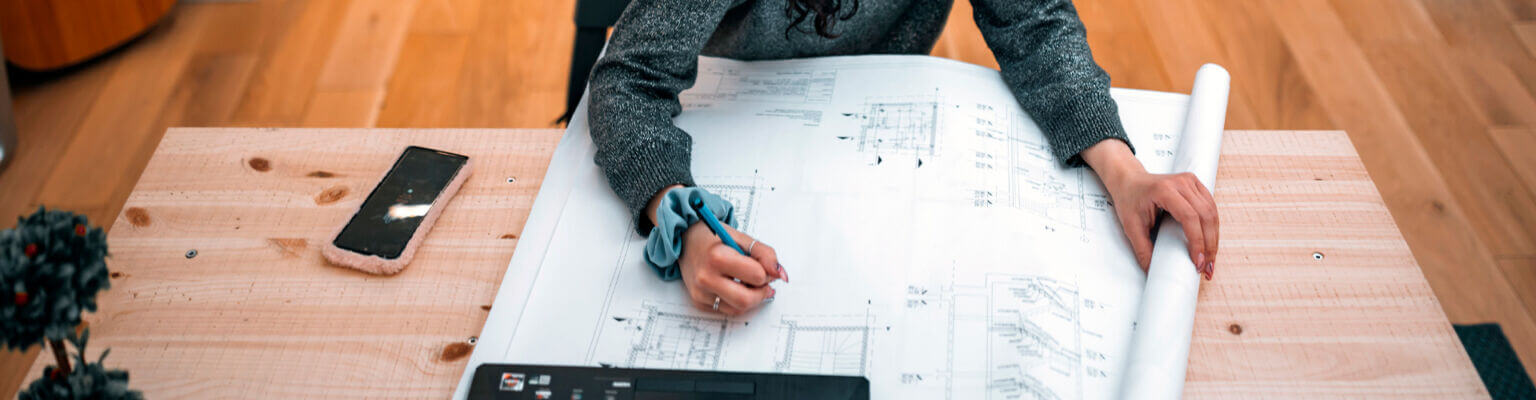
x=1495, y=361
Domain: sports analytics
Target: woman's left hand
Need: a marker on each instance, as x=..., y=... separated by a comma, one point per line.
x=1139, y=196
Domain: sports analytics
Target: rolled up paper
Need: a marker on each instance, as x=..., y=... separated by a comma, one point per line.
x=1159, y=351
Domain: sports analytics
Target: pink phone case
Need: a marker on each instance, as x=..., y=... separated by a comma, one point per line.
x=382, y=266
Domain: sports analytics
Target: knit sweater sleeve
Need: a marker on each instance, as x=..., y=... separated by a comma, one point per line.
x=1042, y=48
x=652, y=56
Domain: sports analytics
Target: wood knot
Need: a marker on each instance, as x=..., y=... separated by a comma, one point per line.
x=115, y=274
x=137, y=216
x=486, y=307
x=1439, y=207
x=331, y=195
x=320, y=174
x=260, y=164
x=289, y=247
x=454, y=351
x=509, y=236
x=1235, y=329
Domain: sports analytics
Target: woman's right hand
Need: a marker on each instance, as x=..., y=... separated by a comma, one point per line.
x=711, y=269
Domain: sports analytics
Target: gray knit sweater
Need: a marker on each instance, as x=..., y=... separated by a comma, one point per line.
x=653, y=55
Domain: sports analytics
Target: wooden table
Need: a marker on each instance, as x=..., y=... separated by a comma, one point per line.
x=1316, y=295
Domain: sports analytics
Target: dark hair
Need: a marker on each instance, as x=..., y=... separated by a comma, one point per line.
x=823, y=15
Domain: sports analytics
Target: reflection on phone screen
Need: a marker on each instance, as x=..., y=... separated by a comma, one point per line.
x=396, y=207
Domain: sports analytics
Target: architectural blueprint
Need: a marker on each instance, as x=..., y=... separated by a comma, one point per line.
x=937, y=247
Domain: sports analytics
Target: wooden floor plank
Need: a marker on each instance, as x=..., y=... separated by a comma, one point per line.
x=1184, y=37
x=1264, y=72
x=367, y=46
x=446, y=16
x=1523, y=10
x=208, y=91
x=241, y=27
x=423, y=92
x=1486, y=82
x=498, y=86
x=48, y=111
x=1484, y=27
x=1124, y=48
x=1517, y=144
x=1521, y=272
x=125, y=114
x=1456, y=263
x=280, y=88
x=1416, y=74
x=486, y=92
x=343, y=108
x=1492, y=88
x=1526, y=31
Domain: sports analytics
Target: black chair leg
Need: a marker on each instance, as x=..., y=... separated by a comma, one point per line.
x=589, y=43
x=7, y=121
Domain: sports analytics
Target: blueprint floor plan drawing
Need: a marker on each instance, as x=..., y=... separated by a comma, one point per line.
x=675, y=340
x=899, y=125
x=937, y=247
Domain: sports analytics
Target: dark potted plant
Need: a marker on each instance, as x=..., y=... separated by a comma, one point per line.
x=52, y=265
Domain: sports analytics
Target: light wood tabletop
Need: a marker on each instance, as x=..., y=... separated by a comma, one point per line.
x=1316, y=294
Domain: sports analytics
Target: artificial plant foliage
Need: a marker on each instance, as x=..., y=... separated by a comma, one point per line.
x=52, y=264
x=84, y=381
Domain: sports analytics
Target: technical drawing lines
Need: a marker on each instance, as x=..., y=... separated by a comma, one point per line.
x=838, y=350
x=625, y=247
x=735, y=85
x=1021, y=387
x=677, y=341
x=1009, y=336
x=900, y=125
x=743, y=192
x=1034, y=338
x=1036, y=184
x=743, y=199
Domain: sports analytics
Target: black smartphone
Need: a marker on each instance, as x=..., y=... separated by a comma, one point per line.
x=389, y=217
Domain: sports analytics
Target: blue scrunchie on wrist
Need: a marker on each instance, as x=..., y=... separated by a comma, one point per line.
x=664, y=246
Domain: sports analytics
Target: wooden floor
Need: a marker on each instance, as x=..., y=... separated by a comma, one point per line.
x=1439, y=97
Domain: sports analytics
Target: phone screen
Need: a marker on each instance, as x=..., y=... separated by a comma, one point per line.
x=397, y=206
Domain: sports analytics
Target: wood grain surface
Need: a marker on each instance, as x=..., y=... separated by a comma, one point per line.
x=257, y=314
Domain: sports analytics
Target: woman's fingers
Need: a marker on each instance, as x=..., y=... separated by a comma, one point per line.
x=728, y=309
x=1137, y=230
x=769, y=259
x=725, y=308
x=761, y=252
x=730, y=264
x=1140, y=243
x=738, y=296
x=1214, y=218
x=1205, y=206
x=1176, y=205
x=702, y=299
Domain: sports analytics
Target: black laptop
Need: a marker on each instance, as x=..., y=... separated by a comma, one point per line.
x=516, y=381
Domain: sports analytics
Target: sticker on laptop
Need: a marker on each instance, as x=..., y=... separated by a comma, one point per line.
x=511, y=382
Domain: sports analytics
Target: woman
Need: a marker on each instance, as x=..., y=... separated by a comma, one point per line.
x=1040, y=45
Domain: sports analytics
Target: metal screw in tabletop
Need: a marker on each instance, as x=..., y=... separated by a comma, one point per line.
x=1317, y=256
x=473, y=339
x=511, y=179
x=191, y=253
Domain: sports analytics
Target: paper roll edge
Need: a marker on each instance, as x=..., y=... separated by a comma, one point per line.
x=1168, y=303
